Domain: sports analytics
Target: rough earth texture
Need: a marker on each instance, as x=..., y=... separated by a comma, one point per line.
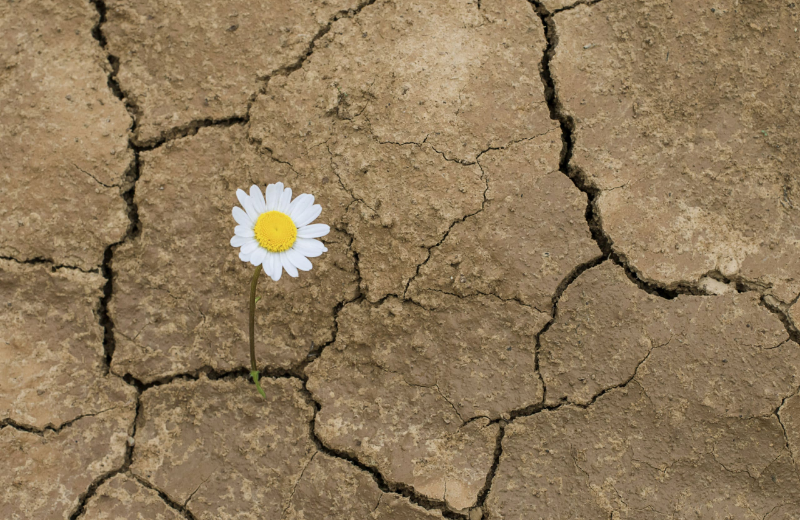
x=396, y=105
x=181, y=300
x=45, y=474
x=63, y=136
x=789, y=415
x=530, y=235
x=627, y=457
x=267, y=465
x=794, y=315
x=410, y=390
x=699, y=430
x=606, y=326
x=333, y=488
x=51, y=344
x=180, y=64
x=685, y=120
x=187, y=447
x=124, y=497
x=562, y=276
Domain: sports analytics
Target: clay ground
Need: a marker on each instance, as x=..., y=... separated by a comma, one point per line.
x=562, y=279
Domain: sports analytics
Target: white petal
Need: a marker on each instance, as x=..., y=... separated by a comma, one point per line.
x=288, y=265
x=300, y=204
x=267, y=264
x=247, y=204
x=309, y=247
x=241, y=217
x=277, y=270
x=242, y=196
x=237, y=241
x=251, y=210
x=258, y=199
x=299, y=261
x=243, y=257
x=286, y=198
x=258, y=256
x=313, y=231
x=275, y=263
x=268, y=197
x=274, y=195
x=307, y=216
x=250, y=246
x=244, y=231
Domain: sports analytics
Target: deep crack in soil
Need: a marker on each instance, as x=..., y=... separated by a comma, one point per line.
x=84, y=498
x=134, y=229
x=383, y=484
x=603, y=241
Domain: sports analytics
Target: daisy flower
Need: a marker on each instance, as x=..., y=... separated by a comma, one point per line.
x=276, y=232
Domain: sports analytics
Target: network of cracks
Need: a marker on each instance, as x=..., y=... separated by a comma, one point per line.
x=619, y=431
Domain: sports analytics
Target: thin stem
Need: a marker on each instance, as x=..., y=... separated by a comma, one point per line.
x=253, y=367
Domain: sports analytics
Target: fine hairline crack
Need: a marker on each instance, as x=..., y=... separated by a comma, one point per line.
x=777, y=414
x=83, y=499
x=384, y=484
x=50, y=427
x=447, y=231
x=95, y=179
x=566, y=124
x=133, y=231
x=584, y=184
x=127, y=190
x=598, y=234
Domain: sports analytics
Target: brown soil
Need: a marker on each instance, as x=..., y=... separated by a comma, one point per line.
x=562, y=281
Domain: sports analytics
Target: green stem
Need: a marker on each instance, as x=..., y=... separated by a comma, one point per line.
x=253, y=367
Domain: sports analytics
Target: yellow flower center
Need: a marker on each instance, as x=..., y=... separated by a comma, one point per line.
x=275, y=231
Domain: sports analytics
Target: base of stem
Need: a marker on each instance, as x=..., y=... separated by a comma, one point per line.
x=254, y=374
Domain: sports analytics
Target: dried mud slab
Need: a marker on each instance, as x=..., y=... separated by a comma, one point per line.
x=408, y=196
x=410, y=390
x=605, y=326
x=334, y=489
x=52, y=364
x=221, y=449
x=622, y=458
x=457, y=77
x=123, y=498
x=395, y=106
x=181, y=293
x=530, y=235
x=45, y=475
x=63, y=137
x=685, y=119
x=179, y=65
x=460, y=78
x=691, y=431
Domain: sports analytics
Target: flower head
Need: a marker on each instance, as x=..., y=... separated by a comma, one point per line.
x=276, y=232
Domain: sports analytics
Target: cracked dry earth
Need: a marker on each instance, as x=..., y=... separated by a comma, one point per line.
x=563, y=277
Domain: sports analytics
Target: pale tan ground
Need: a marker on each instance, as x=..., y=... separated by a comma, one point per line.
x=563, y=277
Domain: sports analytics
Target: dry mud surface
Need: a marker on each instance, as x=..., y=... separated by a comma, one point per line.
x=562, y=281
